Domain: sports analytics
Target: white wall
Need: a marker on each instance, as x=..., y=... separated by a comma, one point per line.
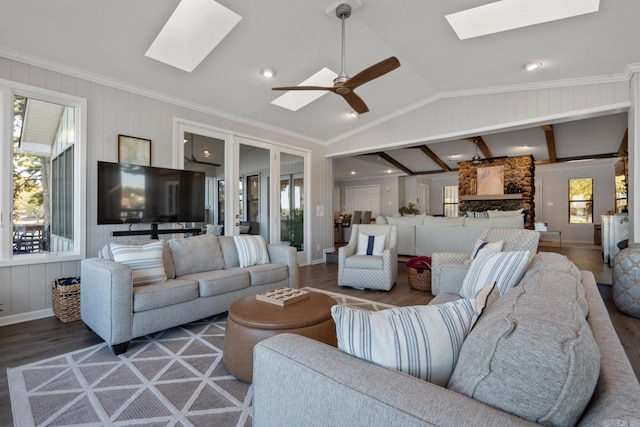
x=555, y=191
x=25, y=290
x=389, y=192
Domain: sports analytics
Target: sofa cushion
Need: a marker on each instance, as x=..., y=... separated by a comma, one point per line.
x=443, y=221
x=229, y=251
x=218, y=282
x=531, y=354
x=252, y=250
x=265, y=274
x=175, y=291
x=381, y=220
x=196, y=254
x=370, y=245
x=503, y=268
x=364, y=262
x=495, y=213
x=167, y=259
x=405, y=220
x=145, y=261
x=422, y=341
x=512, y=221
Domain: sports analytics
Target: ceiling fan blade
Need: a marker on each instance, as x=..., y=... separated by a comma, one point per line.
x=373, y=72
x=304, y=88
x=355, y=102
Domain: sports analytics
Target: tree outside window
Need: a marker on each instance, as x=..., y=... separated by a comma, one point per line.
x=581, y=201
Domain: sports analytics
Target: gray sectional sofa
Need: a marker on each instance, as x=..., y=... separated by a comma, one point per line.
x=544, y=353
x=426, y=234
x=203, y=277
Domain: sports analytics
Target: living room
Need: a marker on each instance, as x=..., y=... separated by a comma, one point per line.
x=159, y=103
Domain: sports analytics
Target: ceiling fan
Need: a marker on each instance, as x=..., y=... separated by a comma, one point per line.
x=344, y=85
x=192, y=158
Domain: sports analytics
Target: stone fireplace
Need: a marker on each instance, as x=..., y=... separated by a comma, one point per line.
x=517, y=173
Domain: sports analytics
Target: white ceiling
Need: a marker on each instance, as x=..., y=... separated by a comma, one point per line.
x=297, y=38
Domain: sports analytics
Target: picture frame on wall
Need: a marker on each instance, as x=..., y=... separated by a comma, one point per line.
x=134, y=150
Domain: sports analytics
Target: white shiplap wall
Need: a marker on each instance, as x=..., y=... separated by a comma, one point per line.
x=25, y=290
x=453, y=115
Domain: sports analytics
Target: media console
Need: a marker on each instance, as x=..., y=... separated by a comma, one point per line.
x=154, y=231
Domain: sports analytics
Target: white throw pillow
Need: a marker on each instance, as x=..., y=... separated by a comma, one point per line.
x=497, y=213
x=483, y=244
x=252, y=250
x=370, y=245
x=422, y=340
x=145, y=261
x=504, y=268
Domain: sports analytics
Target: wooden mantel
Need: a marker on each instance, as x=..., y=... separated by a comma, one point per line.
x=492, y=197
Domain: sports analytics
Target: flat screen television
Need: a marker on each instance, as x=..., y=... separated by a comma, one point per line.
x=133, y=194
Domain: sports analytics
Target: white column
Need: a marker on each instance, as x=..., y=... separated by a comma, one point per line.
x=634, y=157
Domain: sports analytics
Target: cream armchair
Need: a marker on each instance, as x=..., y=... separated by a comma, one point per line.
x=448, y=269
x=369, y=271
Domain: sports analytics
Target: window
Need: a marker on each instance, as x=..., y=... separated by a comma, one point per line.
x=44, y=173
x=253, y=198
x=621, y=193
x=450, y=200
x=581, y=201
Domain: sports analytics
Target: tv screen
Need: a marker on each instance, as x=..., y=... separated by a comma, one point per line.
x=148, y=195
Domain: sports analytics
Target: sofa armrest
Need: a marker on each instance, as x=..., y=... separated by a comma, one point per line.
x=106, y=299
x=318, y=385
x=288, y=255
x=344, y=252
x=452, y=282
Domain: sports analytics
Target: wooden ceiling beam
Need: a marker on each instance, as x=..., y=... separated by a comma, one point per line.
x=624, y=145
x=551, y=142
x=482, y=146
x=426, y=150
x=395, y=163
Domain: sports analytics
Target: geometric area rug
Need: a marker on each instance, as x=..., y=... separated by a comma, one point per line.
x=171, y=378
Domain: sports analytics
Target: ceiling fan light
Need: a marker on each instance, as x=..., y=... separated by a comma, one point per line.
x=476, y=159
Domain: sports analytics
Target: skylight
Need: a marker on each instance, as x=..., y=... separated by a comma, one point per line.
x=511, y=14
x=194, y=29
x=296, y=99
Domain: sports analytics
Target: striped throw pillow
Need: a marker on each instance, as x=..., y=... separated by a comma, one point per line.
x=483, y=244
x=370, y=245
x=423, y=340
x=252, y=250
x=145, y=261
x=503, y=268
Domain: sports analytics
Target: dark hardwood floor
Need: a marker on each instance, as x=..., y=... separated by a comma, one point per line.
x=40, y=339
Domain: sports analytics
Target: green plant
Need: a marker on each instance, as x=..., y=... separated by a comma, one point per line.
x=295, y=229
x=410, y=209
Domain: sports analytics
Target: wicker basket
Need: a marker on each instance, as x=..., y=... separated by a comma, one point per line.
x=420, y=279
x=66, y=300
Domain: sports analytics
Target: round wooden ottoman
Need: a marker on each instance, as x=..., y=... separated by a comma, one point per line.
x=250, y=321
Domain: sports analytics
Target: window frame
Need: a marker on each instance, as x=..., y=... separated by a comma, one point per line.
x=445, y=203
x=588, y=201
x=8, y=90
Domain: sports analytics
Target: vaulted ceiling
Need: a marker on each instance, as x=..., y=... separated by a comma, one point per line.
x=106, y=41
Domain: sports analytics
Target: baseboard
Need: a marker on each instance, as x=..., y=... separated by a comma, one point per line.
x=25, y=317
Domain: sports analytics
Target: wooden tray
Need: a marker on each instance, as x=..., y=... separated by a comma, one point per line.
x=283, y=296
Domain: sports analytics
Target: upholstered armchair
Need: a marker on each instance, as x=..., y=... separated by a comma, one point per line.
x=448, y=269
x=370, y=259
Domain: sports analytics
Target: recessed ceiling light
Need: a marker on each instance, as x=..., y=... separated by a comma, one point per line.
x=389, y=171
x=530, y=66
x=193, y=30
x=206, y=153
x=454, y=156
x=267, y=72
x=353, y=172
x=511, y=14
x=353, y=114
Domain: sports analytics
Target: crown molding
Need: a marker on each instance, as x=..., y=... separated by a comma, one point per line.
x=159, y=96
